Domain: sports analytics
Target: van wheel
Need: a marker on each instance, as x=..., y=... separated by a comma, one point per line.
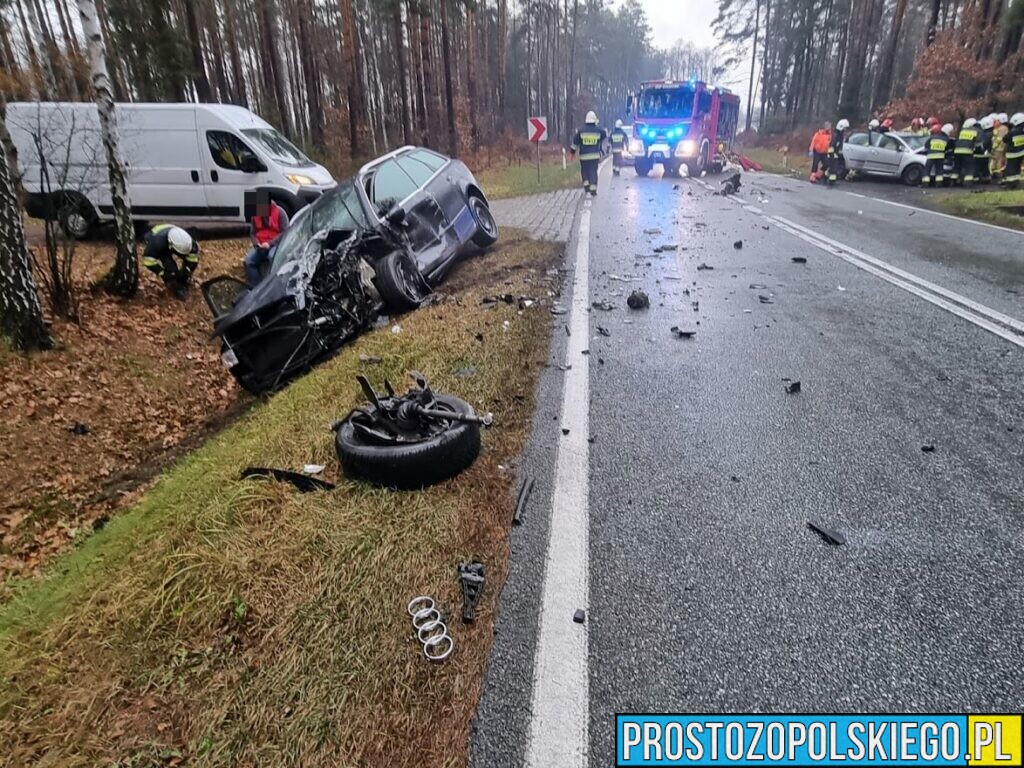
x=486, y=228
x=76, y=217
x=400, y=282
x=912, y=175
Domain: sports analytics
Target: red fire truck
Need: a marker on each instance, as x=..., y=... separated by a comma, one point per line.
x=682, y=122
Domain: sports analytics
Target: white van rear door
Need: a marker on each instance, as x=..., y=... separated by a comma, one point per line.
x=158, y=144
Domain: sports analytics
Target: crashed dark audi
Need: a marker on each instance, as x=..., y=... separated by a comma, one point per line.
x=377, y=242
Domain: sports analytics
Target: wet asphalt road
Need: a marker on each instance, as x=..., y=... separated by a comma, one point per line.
x=707, y=590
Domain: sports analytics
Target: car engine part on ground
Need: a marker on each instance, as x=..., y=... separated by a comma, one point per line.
x=408, y=441
x=471, y=579
x=303, y=483
x=431, y=631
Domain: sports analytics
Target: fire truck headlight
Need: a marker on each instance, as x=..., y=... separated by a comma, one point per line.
x=687, y=148
x=636, y=147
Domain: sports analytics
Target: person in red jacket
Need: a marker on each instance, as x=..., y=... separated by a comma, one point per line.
x=265, y=229
x=819, y=151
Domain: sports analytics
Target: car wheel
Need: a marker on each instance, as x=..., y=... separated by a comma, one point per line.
x=76, y=217
x=400, y=282
x=486, y=228
x=415, y=465
x=912, y=175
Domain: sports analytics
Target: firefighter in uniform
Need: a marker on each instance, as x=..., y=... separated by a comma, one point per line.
x=835, y=151
x=983, y=150
x=999, y=144
x=164, y=242
x=588, y=143
x=618, y=139
x=936, y=155
x=1014, y=150
x=963, y=152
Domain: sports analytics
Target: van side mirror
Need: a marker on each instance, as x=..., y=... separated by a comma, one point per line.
x=395, y=215
x=250, y=164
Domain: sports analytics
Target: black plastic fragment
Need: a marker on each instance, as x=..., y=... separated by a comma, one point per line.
x=928, y=448
x=638, y=300
x=681, y=333
x=580, y=616
x=738, y=245
x=834, y=538
x=792, y=387
x=303, y=483
x=471, y=579
x=79, y=429
x=603, y=331
x=799, y=259
x=524, y=495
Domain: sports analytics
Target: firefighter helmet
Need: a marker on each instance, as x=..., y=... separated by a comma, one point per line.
x=591, y=118
x=933, y=121
x=987, y=122
x=887, y=123
x=1017, y=119
x=970, y=122
x=179, y=241
x=873, y=124
x=1003, y=118
x=947, y=129
x=842, y=125
x=618, y=123
x=936, y=128
x=916, y=123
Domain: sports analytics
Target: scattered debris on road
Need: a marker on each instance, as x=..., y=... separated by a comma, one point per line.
x=928, y=448
x=79, y=430
x=558, y=309
x=471, y=579
x=303, y=483
x=638, y=300
x=580, y=616
x=792, y=387
x=603, y=331
x=652, y=231
x=738, y=245
x=604, y=306
x=799, y=259
x=730, y=186
x=702, y=266
x=524, y=495
x=765, y=299
x=834, y=538
x=681, y=333
x=667, y=248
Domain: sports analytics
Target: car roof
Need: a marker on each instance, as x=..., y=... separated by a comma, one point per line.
x=397, y=153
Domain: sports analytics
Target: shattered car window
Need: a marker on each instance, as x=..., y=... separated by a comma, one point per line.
x=338, y=209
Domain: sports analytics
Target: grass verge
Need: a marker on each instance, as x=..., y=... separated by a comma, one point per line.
x=985, y=206
x=227, y=622
x=518, y=180
x=773, y=161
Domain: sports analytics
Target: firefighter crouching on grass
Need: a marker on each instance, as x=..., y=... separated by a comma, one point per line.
x=936, y=154
x=588, y=143
x=963, y=152
x=1014, y=150
x=164, y=242
x=618, y=140
x=835, y=151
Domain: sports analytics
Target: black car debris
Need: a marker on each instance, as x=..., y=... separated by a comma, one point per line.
x=378, y=242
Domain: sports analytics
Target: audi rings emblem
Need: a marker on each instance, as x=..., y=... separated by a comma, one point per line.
x=430, y=628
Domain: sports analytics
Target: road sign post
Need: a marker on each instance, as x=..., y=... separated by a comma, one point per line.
x=537, y=131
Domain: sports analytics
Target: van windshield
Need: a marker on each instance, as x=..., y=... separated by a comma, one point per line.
x=278, y=147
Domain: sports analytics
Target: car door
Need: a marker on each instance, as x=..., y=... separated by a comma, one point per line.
x=441, y=180
x=856, y=150
x=388, y=185
x=886, y=154
x=230, y=168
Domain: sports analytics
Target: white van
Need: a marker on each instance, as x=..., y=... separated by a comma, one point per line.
x=184, y=162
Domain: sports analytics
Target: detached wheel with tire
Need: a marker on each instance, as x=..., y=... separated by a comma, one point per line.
x=912, y=175
x=76, y=217
x=413, y=465
x=400, y=282
x=486, y=233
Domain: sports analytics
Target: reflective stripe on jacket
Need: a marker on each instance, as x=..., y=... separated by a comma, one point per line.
x=1015, y=143
x=618, y=140
x=965, y=141
x=588, y=143
x=937, y=146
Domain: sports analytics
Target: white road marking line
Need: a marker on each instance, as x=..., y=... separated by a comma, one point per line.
x=561, y=699
x=993, y=321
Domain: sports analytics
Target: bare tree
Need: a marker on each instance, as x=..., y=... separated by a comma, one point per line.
x=123, y=279
x=21, y=313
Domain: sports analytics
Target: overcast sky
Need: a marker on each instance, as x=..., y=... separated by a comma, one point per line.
x=673, y=20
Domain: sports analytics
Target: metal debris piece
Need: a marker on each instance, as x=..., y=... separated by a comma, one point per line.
x=524, y=495
x=703, y=266
x=792, y=387
x=928, y=448
x=558, y=310
x=652, y=231
x=79, y=429
x=603, y=331
x=667, y=248
x=799, y=259
x=602, y=305
x=738, y=245
x=580, y=616
x=765, y=299
x=471, y=579
x=680, y=333
x=758, y=287
x=303, y=483
x=370, y=360
x=834, y=538
x=565, y=431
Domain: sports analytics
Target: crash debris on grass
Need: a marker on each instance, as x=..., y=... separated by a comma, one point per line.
x=471, y=580
x=524, y=496
x=430, y=628
x=302, y=482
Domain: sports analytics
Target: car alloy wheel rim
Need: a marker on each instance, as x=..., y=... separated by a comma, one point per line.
x=483, y=216
x=77, y=224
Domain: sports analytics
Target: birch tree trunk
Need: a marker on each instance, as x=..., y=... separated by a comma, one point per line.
x=21, y=313
x=123, y=279
x=404, y=61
